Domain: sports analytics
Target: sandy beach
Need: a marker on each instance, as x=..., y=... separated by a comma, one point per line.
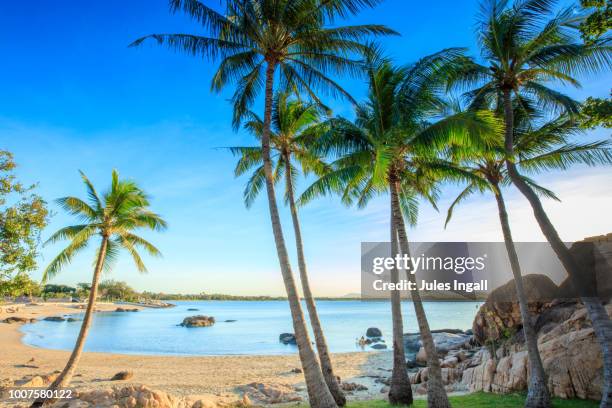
x=215, y=377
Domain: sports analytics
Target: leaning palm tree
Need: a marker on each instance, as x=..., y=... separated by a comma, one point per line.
x=255, y=41
x=538, y=148
x=391, y=148
x=112, y=218
x=524, y=49
x=289, y=141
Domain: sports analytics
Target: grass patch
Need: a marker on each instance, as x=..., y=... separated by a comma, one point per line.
x=482, y=400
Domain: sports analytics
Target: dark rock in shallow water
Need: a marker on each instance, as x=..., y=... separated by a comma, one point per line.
x=126, y=309
x=373, y=332
x=54, y=319
x=379, y=346
x=72, y=319
x=198, y=321
x=287, y=338
x=230, y=321
x=192, y=309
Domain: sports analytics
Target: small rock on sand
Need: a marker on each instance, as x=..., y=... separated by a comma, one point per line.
x=122, y=376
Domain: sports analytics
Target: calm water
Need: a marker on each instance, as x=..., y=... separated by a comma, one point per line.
x=256, y=330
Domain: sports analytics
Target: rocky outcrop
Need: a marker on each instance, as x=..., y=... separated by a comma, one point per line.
x=198, y=321
x=500, y=317
x=140, y=396
x=570, y=354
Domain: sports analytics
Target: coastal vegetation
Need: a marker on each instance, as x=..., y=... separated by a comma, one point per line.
x=526, y=47
x=481, y=400
x=113, y=218
x=23, y=216
x=291, y=137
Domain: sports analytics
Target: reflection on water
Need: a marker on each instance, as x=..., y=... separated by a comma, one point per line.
x=254, y=331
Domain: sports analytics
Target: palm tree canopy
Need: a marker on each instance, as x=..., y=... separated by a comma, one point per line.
x=251, y=36
x=393, y=135
x=526, y=45
x=539, y=148
x=114, y=215
x=291, y=137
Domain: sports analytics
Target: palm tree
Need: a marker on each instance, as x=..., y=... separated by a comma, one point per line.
x=113, y=218
x=256, y=40
x=524, y=48
x=391, y=148
x=539, y=148
x=290, y=140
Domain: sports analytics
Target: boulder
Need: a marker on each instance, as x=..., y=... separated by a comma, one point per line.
x=122, y=376
x=31, y=382
x=500, y=317
x=373, y=332
x=287, y=338
x=126, y=309
x=570, y=354
x=54, y=318
x=421, y=356
x=265, y=394
x=379, y=346
x=443, y=340
x=128, y=397
x=350, y=387
x=198, y=321
x=450, y=362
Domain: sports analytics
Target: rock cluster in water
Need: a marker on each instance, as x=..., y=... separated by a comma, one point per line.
x=198, y=321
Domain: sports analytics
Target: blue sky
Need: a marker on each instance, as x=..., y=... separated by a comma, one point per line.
x=74, y=96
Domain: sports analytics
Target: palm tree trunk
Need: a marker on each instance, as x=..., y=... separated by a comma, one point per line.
x=597, y=312
x=400, y=391
x=64, y=378
x=537, y=393
x=318, y=394
x=436, y=394
x=326, y=364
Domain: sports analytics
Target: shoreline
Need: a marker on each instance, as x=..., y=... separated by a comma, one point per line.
x=216, y=378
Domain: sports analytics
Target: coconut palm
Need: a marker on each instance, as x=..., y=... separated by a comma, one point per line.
x=538, y=148
x=289, y=141
x=525, y=47
x=391, y=148
x=255, y=41
x=112, y=218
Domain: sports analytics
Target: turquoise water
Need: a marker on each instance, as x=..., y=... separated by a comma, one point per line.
x=256, y=330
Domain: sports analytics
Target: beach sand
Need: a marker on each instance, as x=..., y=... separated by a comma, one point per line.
x=212, y=376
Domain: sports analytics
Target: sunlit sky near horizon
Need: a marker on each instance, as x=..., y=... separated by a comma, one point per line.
x=74, y=96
